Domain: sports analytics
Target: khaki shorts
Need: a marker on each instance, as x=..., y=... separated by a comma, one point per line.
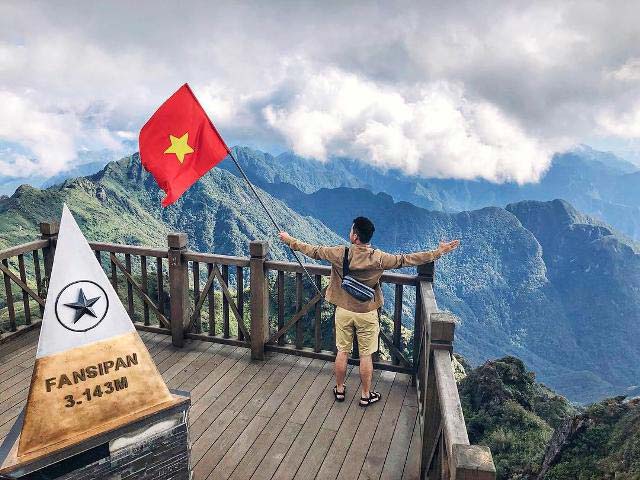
x=367, y=327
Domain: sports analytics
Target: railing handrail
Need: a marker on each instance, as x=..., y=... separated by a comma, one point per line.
x=29, y=293
x=23, y=248
x=445, y=442
x=325, y=270
x=131, y=249
x=191, y=255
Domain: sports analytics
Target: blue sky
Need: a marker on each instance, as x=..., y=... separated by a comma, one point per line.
x=466, y=90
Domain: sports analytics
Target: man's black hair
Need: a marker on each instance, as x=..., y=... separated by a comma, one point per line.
x=363, y=227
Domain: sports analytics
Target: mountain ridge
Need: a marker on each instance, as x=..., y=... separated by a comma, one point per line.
x=123, y=194
x=598, y=183
x=498, y=282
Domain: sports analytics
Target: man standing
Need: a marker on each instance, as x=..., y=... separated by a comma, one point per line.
x=366, y=265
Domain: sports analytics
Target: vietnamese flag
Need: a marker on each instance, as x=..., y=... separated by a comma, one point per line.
x=179, y=144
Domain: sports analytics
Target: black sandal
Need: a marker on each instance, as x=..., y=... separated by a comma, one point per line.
x=373, y=398
x=339, y=396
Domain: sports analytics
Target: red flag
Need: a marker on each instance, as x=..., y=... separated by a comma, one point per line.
x=179, y=144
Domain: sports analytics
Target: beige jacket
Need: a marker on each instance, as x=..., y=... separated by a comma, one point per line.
x=367, y=265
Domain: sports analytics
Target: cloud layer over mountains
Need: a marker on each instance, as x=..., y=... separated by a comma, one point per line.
x=462, y=90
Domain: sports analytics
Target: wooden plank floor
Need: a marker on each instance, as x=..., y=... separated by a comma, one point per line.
x=261, y=420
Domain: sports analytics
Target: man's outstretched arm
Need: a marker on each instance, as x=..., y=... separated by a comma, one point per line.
x=390, y=261
x=319, y=252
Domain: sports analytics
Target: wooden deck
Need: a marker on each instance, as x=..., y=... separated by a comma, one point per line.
x=264, y=419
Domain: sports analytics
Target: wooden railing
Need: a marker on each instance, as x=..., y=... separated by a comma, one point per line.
x=204, y=296
x=313, y=307
x=446, y=452
x=33, y=262
x=121, y=262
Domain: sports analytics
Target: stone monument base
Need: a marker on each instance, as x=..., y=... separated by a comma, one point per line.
x=153, y=446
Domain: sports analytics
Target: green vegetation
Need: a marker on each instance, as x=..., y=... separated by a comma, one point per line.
x=605, y=443
x=507, y=410
x=122, y=204
x=534, y=433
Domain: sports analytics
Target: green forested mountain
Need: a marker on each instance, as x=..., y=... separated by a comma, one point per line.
x=596, y=277
x=508, y=411
x=121, y=203
x=534, y=433
x=602, y=442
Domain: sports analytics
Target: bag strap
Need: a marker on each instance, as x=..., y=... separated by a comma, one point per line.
x=345, y=265
x=345, y=262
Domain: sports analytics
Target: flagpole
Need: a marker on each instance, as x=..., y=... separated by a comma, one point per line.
x=255, y=192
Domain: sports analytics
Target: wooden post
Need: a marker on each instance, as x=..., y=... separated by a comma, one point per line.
x=429, y=405
x=259, y=299
x=472, y=461
x=299, y=304
x=317, y=344
x=178, y=287
x=196, y=295
x=7, y=289
x=49, y=231
x=145, y=287
x=281, y=305
x=417, y=335
x=443, y=325
x=240, y=297
x=458, y=460
x=211, y=300
x=225, y=304
x=425, y=274
x=130, y=304
x=36, y=268
x=25, y=295
x=427, y=271
x=397, y=322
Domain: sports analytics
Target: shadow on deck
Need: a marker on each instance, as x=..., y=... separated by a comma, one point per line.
x=264, y=419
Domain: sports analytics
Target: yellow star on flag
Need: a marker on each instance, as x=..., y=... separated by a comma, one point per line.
x=179, y=146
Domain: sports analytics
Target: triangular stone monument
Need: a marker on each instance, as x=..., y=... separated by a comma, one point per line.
x=92, y=371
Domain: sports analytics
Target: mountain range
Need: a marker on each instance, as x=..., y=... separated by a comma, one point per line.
x=536, y=279
x=597, y=183
x=121, y=203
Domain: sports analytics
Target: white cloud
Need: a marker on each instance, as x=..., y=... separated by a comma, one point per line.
x=623, y=123
x=630, y=71
x=435, y=132
x=51, y=136
x=464, y=90
x=126, y=135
